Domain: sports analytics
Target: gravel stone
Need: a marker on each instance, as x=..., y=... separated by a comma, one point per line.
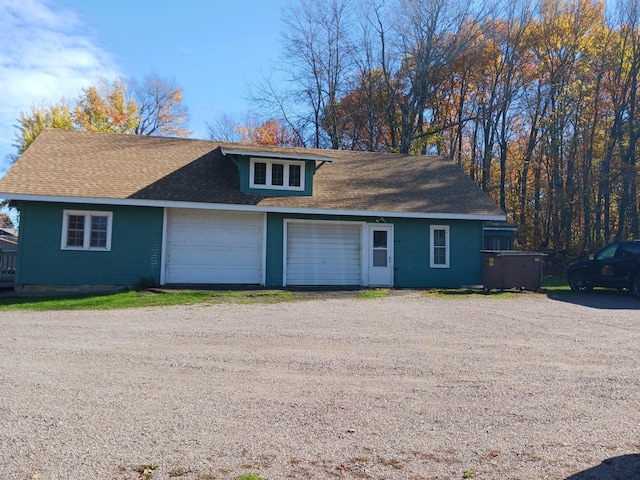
x=404, y=387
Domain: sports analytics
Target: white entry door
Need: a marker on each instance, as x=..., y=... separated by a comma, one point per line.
x=380, y=255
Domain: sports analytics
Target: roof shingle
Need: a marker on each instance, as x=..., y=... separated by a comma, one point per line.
x=89, y=165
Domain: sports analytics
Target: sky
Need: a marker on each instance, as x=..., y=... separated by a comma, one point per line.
x=213, y=49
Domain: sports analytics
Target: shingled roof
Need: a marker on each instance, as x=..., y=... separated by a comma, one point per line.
x=90, y=167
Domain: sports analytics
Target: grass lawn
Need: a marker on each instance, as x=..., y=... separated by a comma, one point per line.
x=160, y=297
x=549, y=284
x=146, y=298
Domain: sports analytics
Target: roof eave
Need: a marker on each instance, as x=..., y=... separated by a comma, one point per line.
x=133, y=202
x=255, y=153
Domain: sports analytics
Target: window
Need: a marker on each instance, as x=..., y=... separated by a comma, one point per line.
x=276, y=174
x=99, y=231
x=294, y=175
x=497, y=242
x=379, y=248
x=607, y=253
x=260, y=173
x=85, y=230
x=633, y=248
x=75, y=231
x=439, y=246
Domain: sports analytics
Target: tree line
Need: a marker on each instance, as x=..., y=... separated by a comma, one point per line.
x=536, y=101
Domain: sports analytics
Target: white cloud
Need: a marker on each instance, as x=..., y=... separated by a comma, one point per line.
x=46, y=53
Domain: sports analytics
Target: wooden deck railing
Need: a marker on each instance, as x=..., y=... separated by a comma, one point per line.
x=7, y=266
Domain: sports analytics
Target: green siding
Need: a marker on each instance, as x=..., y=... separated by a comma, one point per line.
x=243, y=173
x=136, y=247
x=412, y=254
x=275, y=236
x=411, y=251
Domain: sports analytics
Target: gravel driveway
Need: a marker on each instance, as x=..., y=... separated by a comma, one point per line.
x=406, y=387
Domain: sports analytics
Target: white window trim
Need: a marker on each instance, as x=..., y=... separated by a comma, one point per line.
x=268, y=184
x=432, y=229
x=87, y=214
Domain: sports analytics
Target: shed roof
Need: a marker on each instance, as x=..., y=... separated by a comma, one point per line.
x=78, y=166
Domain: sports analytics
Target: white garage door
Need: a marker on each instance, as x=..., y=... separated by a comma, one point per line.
x=205, y=246
x=322, y=253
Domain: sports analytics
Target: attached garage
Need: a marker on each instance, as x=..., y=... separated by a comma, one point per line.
x=214, y=247
x=323, y=253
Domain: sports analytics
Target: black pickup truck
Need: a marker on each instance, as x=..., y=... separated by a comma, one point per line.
x=615, y=266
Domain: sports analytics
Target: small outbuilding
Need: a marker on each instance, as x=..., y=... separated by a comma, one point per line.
x=103, y=211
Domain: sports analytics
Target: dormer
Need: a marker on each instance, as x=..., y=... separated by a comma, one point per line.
x=275, y=173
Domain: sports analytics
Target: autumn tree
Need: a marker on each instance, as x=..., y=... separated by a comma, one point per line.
x=430, y=36
x=362, y=114
x=270, y=132
x=106, y=107
x=155, y=107
x=5, y=221
x=628, y=222
x=57, y=115
x=250, y=129
x=564, y=33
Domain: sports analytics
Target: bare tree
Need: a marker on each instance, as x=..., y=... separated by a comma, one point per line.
x=160, y=107
x=273, y=102
x=224, y=128
x=316, y=60
x=430, y=34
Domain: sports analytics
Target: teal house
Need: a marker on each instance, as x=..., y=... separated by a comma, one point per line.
x=102, y=211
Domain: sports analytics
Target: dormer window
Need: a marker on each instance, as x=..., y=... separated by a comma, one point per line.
x=276, y=174
x=260, y=173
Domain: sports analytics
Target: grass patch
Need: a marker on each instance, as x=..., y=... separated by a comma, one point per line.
x=548, y=284
x=256, y=296
x=468, y=292
x=374, y=293
x=156, y=298
x=178, y=472
x=249, y=476
x=555, y=283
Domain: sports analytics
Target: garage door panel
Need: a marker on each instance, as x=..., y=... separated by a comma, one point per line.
x=214, y=247
x=330, y=274
x=214, y=257
x=204, y=234
x=203, y=275
x=323, y=254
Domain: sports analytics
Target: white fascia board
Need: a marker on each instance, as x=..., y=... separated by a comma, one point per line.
x=133, y=202
x=250, y=153
x=501, y=229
